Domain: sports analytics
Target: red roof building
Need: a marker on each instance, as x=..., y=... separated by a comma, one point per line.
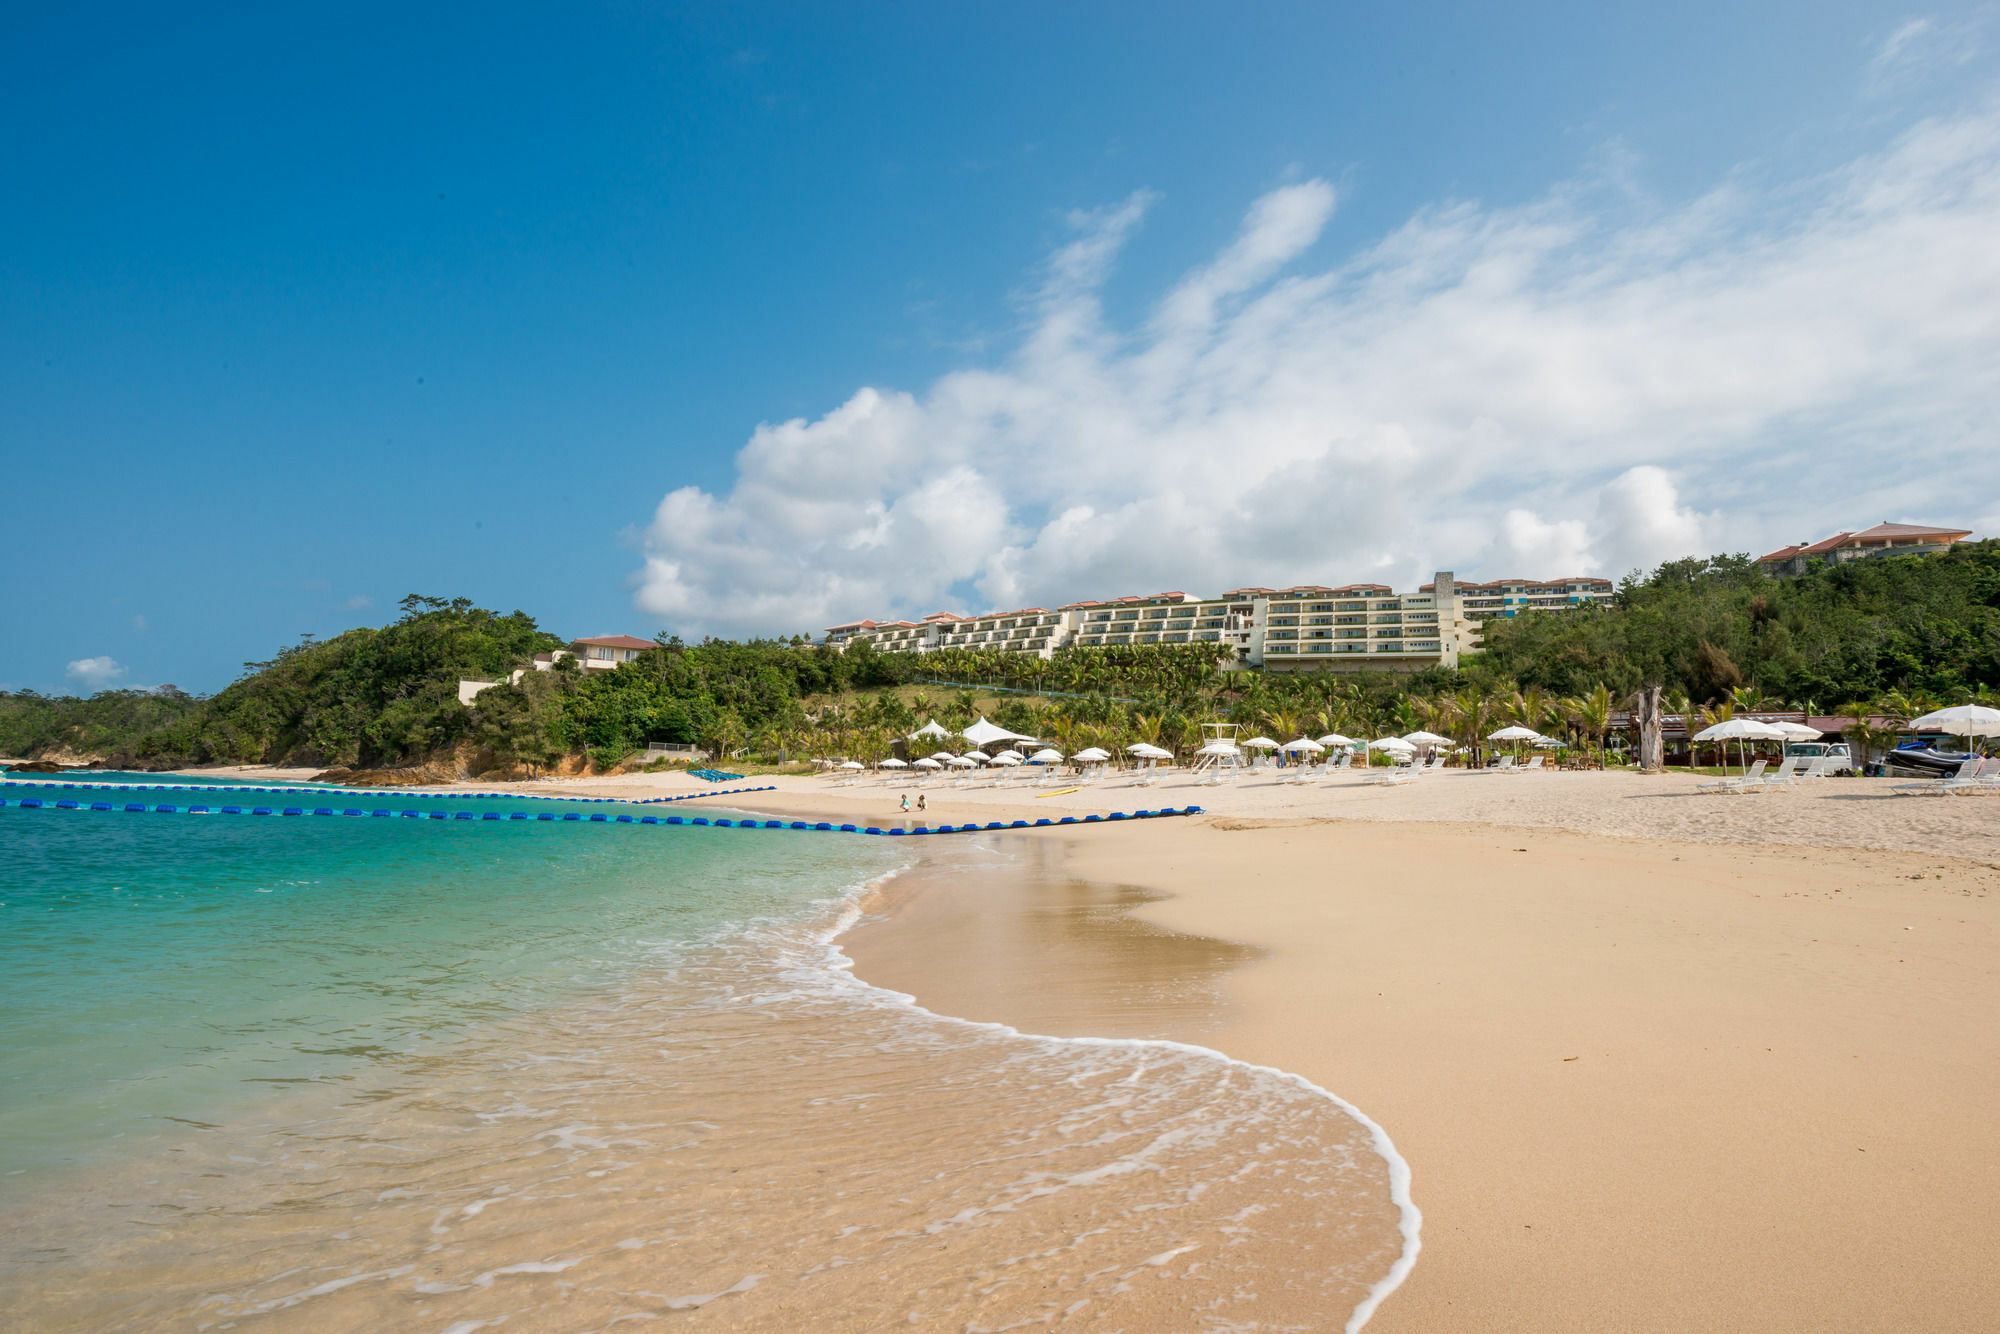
x=1884, y=539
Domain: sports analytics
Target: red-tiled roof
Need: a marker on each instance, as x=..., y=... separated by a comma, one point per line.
x=616, y=641
x=1356, y=588
x=1882, y=532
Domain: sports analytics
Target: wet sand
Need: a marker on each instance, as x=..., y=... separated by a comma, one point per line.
x=1642, y=1085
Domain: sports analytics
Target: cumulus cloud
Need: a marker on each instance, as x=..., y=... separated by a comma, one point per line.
x=1583, y=383
x=94, y=673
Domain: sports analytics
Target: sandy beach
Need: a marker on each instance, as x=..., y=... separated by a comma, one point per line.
x=1658, y=1061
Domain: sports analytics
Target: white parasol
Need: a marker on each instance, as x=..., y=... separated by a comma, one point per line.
x=1742, y=731
x=1966, y=720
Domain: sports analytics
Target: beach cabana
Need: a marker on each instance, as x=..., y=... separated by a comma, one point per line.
x=929, y=729
x=983, y=733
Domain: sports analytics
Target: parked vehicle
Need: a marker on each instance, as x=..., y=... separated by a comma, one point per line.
x=1812, y=750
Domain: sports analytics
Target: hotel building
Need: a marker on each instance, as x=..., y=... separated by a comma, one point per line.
x=1353, y=627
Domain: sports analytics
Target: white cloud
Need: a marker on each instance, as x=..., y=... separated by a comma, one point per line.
x=359, y=602
x=94, y=673
x=1924, y=46
x=1579, y=384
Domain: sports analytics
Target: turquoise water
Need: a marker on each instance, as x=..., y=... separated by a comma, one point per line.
x=167, y=970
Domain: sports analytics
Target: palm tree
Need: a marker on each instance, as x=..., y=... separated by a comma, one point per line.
x=1593, y=715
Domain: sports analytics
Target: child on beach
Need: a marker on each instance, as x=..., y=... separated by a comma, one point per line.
x=906, y=803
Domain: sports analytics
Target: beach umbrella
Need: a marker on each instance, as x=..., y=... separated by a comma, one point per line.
x=977, y=757
x=1010, y=752
x=1966, y=720
x=1336, y=739
x=1006, y=759
x=1261, y=743
x=1799, y=730
x=1302, y=744
x=854, y=764
x=927, y=763
x=1146, y=750
x=1395, y=745
x=1094, y=755
x=1515, y=733
x=1046, y=755
x=1218, y=748
x=943, y=756
x=1426, y=739
x=1742, y=731
x=893, y=763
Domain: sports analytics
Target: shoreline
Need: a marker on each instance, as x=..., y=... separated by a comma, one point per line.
x=1657, y=1172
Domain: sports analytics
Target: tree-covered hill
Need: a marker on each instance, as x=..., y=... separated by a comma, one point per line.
x=366, y=697
x=1917, y=624
x=36, y=724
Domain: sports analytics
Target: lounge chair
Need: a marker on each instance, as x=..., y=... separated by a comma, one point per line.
x=1533, y=764
x=1749, y=782
x=1966, y=776
x=1786, y=776
x=1506, y=765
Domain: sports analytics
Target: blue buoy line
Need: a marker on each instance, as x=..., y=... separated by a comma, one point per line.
x=566, y=817
x=381, y=792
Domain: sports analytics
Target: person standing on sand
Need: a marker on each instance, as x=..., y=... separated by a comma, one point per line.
x=906, y=803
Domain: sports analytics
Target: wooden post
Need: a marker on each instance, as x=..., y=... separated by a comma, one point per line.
x=1652, y=745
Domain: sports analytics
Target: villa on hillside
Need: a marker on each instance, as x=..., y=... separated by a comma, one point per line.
x=1884, y=539
x=605, y=652
x=599, y=654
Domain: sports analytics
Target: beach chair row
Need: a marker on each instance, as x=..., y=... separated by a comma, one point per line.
x=1789, y=777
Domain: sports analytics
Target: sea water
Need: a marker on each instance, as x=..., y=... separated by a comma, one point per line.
x=363, y=1073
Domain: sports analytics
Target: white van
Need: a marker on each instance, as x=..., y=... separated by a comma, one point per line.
x=1812, y=750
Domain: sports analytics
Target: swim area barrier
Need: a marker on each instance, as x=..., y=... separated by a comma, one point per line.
x=381, y=792
x=566, y=817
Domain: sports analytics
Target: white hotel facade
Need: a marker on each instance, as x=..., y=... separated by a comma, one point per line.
x=1355, y=627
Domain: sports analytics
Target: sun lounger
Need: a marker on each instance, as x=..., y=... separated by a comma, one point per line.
x=1966, y=776
x=1785, y=777
x=1749, y=782
x=1506, y=765
x=1401, y=773
x=1533, y=765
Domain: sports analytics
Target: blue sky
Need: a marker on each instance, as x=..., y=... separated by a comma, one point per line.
x=308, y=310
